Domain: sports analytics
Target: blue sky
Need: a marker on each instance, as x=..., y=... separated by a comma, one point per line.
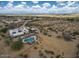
x=39, y=7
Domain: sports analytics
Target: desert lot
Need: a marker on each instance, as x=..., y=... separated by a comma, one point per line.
x=58, y=36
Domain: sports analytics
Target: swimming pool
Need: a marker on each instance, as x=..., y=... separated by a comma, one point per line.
x=29, y=40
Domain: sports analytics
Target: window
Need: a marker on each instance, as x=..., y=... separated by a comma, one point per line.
x=19, y=30
x=13, y=32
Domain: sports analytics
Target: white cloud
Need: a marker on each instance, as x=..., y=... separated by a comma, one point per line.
x=69, y=3
x=35, y=2
x=54, y=6
x=24, y=3
x=39, y=9
x=62, y=3
x=11, y=1
x=0, y=7
x=46, y=5
x=36, y=7
x=65, y=9
x=45, y=8
x=9, y=5
x=20, y=6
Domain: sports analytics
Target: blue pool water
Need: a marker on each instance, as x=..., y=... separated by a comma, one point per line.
x=29, y=40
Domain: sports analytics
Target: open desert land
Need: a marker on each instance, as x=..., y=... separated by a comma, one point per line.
x=57, y=36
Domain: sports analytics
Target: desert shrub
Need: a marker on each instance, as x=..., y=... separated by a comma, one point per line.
x=12, y=26
x=35, y=47
x=77, y=52
x=45, y=33
x=23, y=56
x=49, y=35
x=7, y=41
x=50, y=29
x=59, y=36
x=41, y=54
x=76, y=19
x=75, y=33
x=4, y=30
x=67, y=36
x=17, y=45
x=44, y=56
x=51, y=57
x=77, y=46
x=49, y=52
x=70, y=19
x=2, y=35
x=58, y=56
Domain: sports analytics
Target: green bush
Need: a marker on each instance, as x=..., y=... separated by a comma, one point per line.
x=17, y=45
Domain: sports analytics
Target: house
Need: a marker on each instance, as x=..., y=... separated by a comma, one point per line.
x=18, y=31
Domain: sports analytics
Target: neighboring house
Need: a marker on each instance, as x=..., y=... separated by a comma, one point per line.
x=18, y=31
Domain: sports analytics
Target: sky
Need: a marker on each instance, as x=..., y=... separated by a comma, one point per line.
x=39, y=7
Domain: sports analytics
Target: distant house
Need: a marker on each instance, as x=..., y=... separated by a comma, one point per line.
x=18, y=31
